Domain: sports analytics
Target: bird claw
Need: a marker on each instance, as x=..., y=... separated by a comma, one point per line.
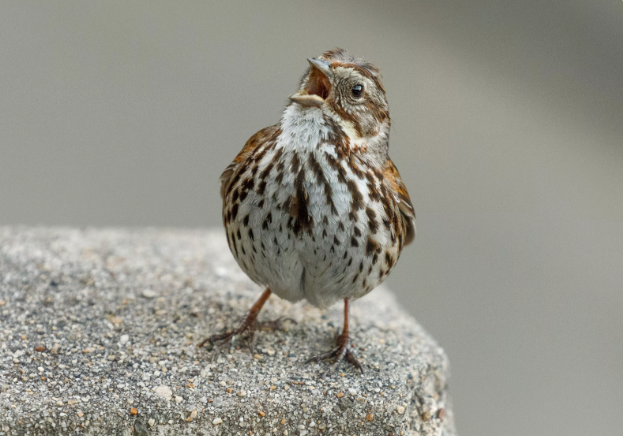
x=343, y=351
x=249, y=325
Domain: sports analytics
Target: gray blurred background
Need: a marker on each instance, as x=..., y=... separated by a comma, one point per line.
x=507, y=128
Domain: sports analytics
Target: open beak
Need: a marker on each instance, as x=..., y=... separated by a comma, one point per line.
x=318, y=84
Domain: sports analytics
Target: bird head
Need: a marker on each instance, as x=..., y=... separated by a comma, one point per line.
x=347, y=89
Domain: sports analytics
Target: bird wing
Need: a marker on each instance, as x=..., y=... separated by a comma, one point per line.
x=233, y=170
x=226, y=177
x=407, y=212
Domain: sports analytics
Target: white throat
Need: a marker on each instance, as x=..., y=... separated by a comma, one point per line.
x=304, y=127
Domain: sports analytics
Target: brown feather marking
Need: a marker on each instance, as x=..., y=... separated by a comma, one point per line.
x=299, y=206
x=322, y=180
x=373, y=225
x=407, y=213
x=356, y=202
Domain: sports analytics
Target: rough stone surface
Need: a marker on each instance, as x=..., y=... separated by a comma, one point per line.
x=98, y=334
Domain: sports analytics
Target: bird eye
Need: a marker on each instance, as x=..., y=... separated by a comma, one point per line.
x=357, y=90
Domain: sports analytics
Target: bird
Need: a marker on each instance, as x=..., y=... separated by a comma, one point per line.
x=313, y=207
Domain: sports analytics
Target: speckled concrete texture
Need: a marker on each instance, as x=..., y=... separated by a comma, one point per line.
x=98, y=334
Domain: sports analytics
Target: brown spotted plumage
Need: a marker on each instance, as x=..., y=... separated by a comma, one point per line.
x=313, y=207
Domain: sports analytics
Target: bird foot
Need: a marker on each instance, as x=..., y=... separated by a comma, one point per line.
x=343, y=351
x=249, y=326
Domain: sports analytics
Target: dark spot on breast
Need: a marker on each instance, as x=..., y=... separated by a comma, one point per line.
x=280, y=165
x=247, y=185
x=354, y=242
x=373, y=225
x=261, y=153
x=299, y=208
x=341, y=172
x=279, y=178
x=267, y=221
x=370, y=247
x=287, y=204
x=355, y=168
x=251, y=236
x=336, y=241
x=266, y=171
x=295, y=163
x=322, y=180
x=357, y=199
x=373, y=192
x=245, y=221
x=370, y=177
x=357, y=231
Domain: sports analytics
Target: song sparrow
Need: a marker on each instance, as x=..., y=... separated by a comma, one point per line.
x=313, y=206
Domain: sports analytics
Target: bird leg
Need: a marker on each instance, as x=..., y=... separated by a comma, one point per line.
x=249, y=325
x=343, y=349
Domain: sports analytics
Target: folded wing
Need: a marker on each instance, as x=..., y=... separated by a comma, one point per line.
x=232, y=172
x=407, y=212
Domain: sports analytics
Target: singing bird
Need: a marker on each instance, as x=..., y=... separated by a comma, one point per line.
x=313, y=207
